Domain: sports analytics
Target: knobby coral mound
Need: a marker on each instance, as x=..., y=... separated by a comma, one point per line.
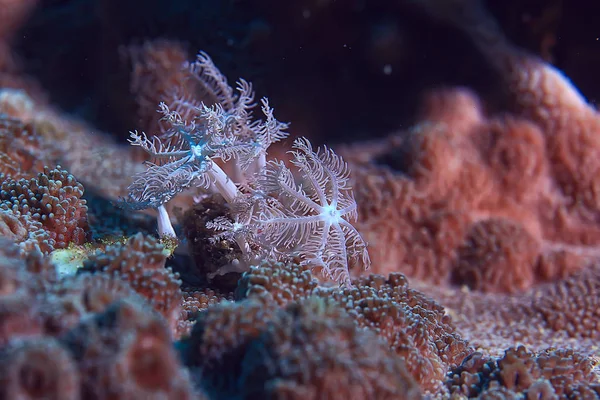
x=498, y=255
x=561, y=314
x=45, y=212
x=549, y=374
x=481, y=204
x=18, y=287
x=331, y=358
x=75, y=298
x=127, y=353
x=21, y=153
x=255, y=350
x=570, y=306
x=38, y=369
x=157, y=74
x=277, y=282
x=534, y=167
x=194, y=302
x=412, y=325
x=218, y=342
x=448, y=199
x=85, y=336
x=141, y=263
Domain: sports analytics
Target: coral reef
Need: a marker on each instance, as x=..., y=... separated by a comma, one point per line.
x=482, y=224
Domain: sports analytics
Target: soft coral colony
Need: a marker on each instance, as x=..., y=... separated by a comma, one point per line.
x=271, y=215
x=493, y=216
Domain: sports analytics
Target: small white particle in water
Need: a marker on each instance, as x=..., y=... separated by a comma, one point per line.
x=306, y=13
x=387, y=69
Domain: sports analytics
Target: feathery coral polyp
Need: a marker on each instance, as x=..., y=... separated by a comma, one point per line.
x=313, y=218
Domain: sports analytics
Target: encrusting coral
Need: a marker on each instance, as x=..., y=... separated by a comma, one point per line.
x=87, y=324
x=126, y=352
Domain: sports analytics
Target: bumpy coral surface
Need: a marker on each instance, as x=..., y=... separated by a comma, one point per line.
x=412, y=325
x=46, y=212
x=244, y=350
x=126, y=353
x=548, y=374
x=36, y=369
x=141, y=263
x=331, y=358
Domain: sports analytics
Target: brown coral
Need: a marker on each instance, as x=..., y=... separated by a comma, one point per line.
x=24, y=280
x=497, y=255
x=498, y=169
x=141, y=263
x=231, y=345
x=126, y=353
x=561, y=314
x=75, y=298
x=38, y=369
x=572, y=305
x=222, y=332
x=52, y=199
x=414, y=326
x=330, y=357
x=18, y=309
x=215, y=263
x=277, y=281
x=194, y=302
x=516, y=155
x=157, y=68
x=549, y=374
x=22, y=155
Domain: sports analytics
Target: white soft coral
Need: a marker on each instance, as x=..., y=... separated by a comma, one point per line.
x=312, y=219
